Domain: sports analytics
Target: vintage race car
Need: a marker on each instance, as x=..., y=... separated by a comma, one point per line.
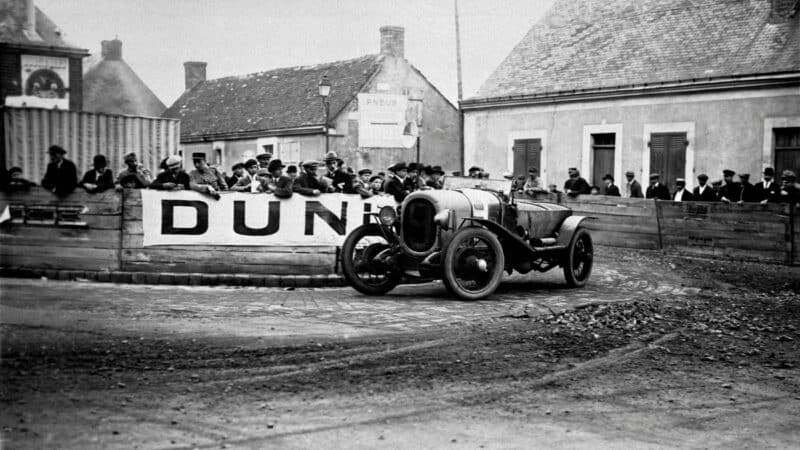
x=467, y=234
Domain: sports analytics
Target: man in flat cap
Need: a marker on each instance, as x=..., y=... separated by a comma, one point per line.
x=681, y=194
x=748, y=191
x=237, y=173
x=611, y=189
x=308, y=183
x=61, y=177
x=250, y=180
x=263, y=162
x=204, y=178
x=656, y=189
x=730, y=191
x=395, y=182
x=437, y=178
x=767, y=189
x=703, y=192
x=576, y=185
x=173, y=178
x=99, y=178
x=632, y=187
x=134, y=175
x=362, y=185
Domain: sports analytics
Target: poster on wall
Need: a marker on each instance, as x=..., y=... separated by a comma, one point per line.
x=190, y=218
x=45, y=82
x=382, y=118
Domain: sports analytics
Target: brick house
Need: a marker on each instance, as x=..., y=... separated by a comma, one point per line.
x=669, y=86
x=372, y=99
x=38, y=68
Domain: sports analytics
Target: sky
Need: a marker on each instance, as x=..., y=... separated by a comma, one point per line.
x=237, y=37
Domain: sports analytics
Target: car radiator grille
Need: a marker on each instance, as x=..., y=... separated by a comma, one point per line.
x=418, y=228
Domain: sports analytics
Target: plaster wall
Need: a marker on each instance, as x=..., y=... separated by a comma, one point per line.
x=724, y=130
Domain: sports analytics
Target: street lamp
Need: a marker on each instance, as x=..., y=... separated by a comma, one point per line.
x=325, y=92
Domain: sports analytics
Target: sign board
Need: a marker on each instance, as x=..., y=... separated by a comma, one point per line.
x=190, y=218
x=45, y=82
x=381, y=120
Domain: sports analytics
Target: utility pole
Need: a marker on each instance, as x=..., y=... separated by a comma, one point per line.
x=458, y=54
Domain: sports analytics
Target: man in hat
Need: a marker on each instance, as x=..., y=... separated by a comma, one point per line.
x=308, y=183
x=17, y=182
x=532, y=183
x=291, y=171
x=263, y=162
x=174, y=178
x=395, y=183
x=280, y=185
x=361, y=185
x=703, y=192
x=767, y=189
x=437, y=178
x=134, y=175
x=340, y=179
x=632, y=187
x=250, y=181
x=206, y=179
x=611, y=189
x=98, y=179
x=748, y=192
x=656, y=189
x=238, y=172
x=681, y=194
x=412, y=179
x=474, y=172
x=730, y=191
x=575, y=184
x=61, y=177
x=376, y=184
x=788, y=192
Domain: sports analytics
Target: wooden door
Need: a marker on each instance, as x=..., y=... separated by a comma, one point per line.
x=603, y=147
x=668, y=156
x=527, y=154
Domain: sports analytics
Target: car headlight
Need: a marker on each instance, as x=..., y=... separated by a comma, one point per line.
x=387, y=216
x=442, y=218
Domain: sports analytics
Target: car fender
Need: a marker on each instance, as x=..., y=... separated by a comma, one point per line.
x=568, y=228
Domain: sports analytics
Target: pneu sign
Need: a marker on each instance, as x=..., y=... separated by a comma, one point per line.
x=190, y=218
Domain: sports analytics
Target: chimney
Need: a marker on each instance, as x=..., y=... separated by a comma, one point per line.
x=195, y=73
x=29, y=25
x=393, y=41
x=111, y=50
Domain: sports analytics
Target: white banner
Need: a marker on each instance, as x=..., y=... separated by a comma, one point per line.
x=190, y=218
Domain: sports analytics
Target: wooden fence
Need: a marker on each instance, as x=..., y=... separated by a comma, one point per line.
x=103, y=232
x=30, y=131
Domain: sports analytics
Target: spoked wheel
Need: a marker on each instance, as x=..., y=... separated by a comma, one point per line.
x=473, y=263
x=362, y=263
x=578, y=260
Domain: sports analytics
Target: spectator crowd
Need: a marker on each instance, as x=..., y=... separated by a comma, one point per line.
x=264, y=174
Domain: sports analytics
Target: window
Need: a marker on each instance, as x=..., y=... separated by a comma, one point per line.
x=218, y=157
x=268, y=149
x=787, y=149
x=668, y=156
x=603, y=147
x=527, y=154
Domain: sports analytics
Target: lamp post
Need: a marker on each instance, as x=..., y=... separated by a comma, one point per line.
x=325, y=92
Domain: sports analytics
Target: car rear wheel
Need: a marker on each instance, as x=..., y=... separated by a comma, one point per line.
x=579, y=258
x=473, y=263
x=363, y=264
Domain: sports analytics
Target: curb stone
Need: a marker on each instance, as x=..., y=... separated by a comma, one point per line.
x=193, y=279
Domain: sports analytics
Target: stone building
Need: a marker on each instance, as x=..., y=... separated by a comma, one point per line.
x=372, y=100
x=110, y=86
x=38, y=68
x=669, y=86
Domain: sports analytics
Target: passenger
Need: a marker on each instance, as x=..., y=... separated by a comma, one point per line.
x=767, y=189
x=656, y=189
x=308, y=183
x=395, y=183
x=611, y=189
x=98, y=179
x=238, y=173
x=250, y=180
x=174, y=178
x=134, y=175
x=532, y=183
x=731, y=191
x=681, y=194
x=703, y=192
x=576, y=185
x=206, y=179
x=362, y=184
x=61, y=177
x=632, y=187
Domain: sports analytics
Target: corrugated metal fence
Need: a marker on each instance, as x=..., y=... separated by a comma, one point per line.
x=30, y=131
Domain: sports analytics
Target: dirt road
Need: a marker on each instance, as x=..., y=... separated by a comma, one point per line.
x=654, y=353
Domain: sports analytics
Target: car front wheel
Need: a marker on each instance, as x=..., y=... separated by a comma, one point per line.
x=473, y=263
x=364, y=261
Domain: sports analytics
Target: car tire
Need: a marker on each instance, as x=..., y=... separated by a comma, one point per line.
x=350, y=272
x=580, y=251
x=454, y=256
